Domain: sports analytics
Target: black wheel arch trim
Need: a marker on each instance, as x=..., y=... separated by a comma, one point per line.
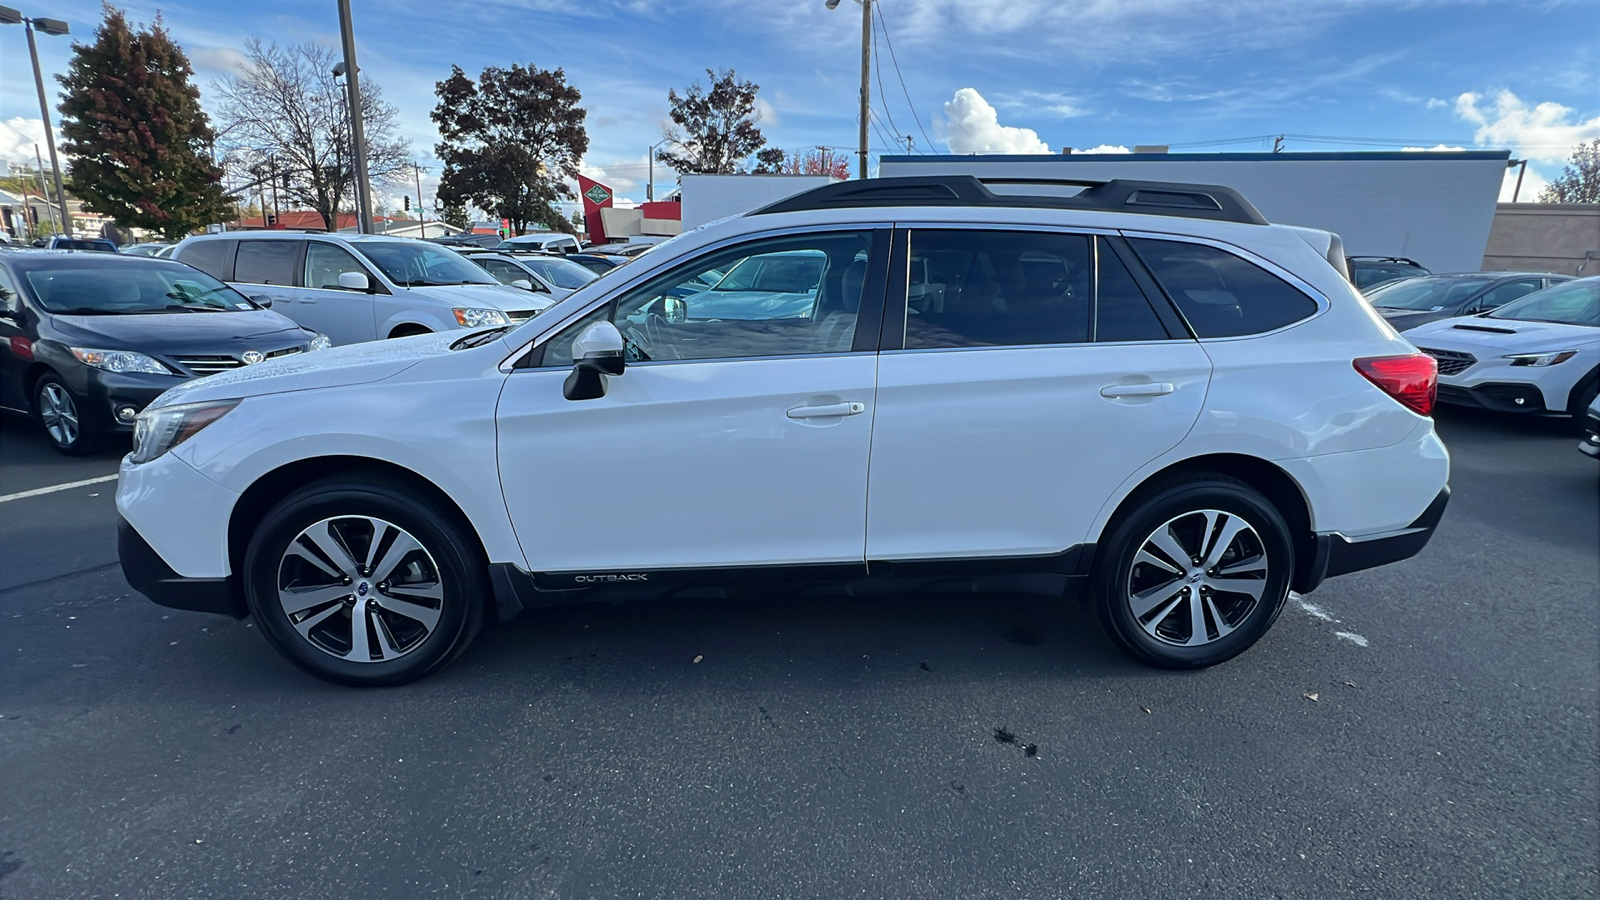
x=150, y=575
x=1338, y=555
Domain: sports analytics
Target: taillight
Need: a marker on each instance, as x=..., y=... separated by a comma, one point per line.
x=1411, y=380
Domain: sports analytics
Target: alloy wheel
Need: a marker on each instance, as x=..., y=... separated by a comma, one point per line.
x=360, y=589
x=58, y=413
x=1197, y=577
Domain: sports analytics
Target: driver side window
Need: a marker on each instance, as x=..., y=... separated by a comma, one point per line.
x=788, y=296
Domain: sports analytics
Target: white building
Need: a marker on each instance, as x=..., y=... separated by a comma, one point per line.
x=1434, y=207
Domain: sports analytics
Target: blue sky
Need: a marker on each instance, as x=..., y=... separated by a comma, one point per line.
x=980, y=74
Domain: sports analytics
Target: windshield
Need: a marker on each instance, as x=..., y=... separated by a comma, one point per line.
x=1427, y=293
x=134, y=288
x=415, y=263
x=783, y=273
x=563, y=273
x=1573, y=303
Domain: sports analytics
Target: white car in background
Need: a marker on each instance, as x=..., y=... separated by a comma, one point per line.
x=548, y=241
x=1537, y=354
x=360, y=287
x=552, y=277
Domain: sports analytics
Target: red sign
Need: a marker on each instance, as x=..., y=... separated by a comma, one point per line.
x=596, y=197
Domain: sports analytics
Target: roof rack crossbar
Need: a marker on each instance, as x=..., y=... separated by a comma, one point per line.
x=1195, y=201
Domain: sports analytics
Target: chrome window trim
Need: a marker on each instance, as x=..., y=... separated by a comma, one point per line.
x=507, y=365
x=1323, y=303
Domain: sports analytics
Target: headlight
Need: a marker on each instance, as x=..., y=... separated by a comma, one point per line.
x=481, y=318
x=1540, y=359
x=119, y=361
x=319, y=342
x=159, y=430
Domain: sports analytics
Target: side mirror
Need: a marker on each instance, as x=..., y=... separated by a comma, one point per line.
x=354, y=281
x=523, y=283
x=676, y=310
x=261, y=300
x=596, y=353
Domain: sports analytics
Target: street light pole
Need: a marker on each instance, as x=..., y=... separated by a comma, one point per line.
x=422, y=222
x=650, y=186
x=9, y=16
x=357, y=133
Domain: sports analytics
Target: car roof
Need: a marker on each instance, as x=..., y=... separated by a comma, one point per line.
x=44, y=259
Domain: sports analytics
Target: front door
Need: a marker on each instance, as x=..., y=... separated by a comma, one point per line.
x=346, y=316
x=1027, y=378
x=738, y=440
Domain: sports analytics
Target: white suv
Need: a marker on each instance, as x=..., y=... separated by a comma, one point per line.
x=360, y=287
x=1143, y=395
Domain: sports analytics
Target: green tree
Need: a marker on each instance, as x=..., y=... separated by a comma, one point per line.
x=714, y=131
x=511, y=141
x=1580, y=180
x=137, y=137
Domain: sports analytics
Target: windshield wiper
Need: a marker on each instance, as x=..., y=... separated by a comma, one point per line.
x=479, y=338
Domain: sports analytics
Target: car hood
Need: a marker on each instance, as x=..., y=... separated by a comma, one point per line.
x=482, y=296
x=337, y=367
x=1407, y=319
x=1511, y=335
x=178, y=332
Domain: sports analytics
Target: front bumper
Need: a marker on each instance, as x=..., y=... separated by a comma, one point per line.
x=1503, y=396
x=1338, y=555
x=150, y=575
x=110, y=391
x=1590, y=444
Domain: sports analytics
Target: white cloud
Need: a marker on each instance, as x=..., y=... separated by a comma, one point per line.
x=218, y=60
x=18, y=137
x=1532, y=184
x=1543, y=133
x=1106, y=148
x=1433, y=149
x=974, y=127
x=766, y=113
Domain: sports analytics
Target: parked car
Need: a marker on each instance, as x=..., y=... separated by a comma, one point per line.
x=1142, y=395
x=468, y=239
x=153, y=248
x=551, y=241
x=356, y=288
x=598, y=263
x=87, y=340
x=627, y=251
x=1368, y=272
x=1429, y=298
x=552, y=276
x=1539, y=354
x=97, y=245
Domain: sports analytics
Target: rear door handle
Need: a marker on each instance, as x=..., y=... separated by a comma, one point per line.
x=848, y=408
x=1156, y=389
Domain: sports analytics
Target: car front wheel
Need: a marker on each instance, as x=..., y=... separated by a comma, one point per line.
x=362, y=583
x=1194, y=574
x=58, y=411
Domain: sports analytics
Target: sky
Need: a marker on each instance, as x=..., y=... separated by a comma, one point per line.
x=962, y=76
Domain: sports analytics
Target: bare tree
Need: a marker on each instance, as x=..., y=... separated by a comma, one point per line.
x=714, y=131
x=287, y=115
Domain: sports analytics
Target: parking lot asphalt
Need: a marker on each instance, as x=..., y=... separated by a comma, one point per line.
x=1423, y=730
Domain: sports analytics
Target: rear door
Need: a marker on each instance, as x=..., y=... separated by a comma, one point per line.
x=1025, y=375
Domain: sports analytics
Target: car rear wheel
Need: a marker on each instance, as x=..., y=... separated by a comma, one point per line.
x=1194, y=574
x=57, y=408
x=361, y=583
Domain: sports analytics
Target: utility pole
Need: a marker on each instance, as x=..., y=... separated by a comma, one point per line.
x=44, y=192
x=272, y=173
x=421, y=222
x=650, y=186
x=1277, y=144
x=358, y=138
x=866, y=82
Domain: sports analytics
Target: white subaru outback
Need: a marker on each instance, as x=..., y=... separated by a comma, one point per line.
x=1143, y=395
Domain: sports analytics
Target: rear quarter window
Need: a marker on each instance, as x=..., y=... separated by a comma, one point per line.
x=215, y=258
x=1220, y=294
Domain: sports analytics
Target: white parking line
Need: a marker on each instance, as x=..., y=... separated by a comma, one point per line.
x=21, y=495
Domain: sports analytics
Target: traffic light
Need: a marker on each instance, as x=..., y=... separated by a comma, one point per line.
x=408, y=202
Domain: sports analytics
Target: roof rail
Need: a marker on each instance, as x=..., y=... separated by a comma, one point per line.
x=1161, y=198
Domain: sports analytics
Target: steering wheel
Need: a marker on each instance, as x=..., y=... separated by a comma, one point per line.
x=657, y=333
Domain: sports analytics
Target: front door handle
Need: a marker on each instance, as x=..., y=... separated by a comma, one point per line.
x=1148, y=389
x=848, y=408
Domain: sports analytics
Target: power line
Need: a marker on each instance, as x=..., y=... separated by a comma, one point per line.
x=872, y=117
x=877, y=66
x=884, y=27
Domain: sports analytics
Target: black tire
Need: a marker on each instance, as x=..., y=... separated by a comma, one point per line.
x=1582, y=396
x=52, y=402
x=449, y=553
x=1158, y=638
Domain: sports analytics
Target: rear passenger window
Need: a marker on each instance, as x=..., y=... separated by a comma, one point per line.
x=975, y=288
x=1221, y=294
x=215, y=258
x=266, y=262
x=1122, y=312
